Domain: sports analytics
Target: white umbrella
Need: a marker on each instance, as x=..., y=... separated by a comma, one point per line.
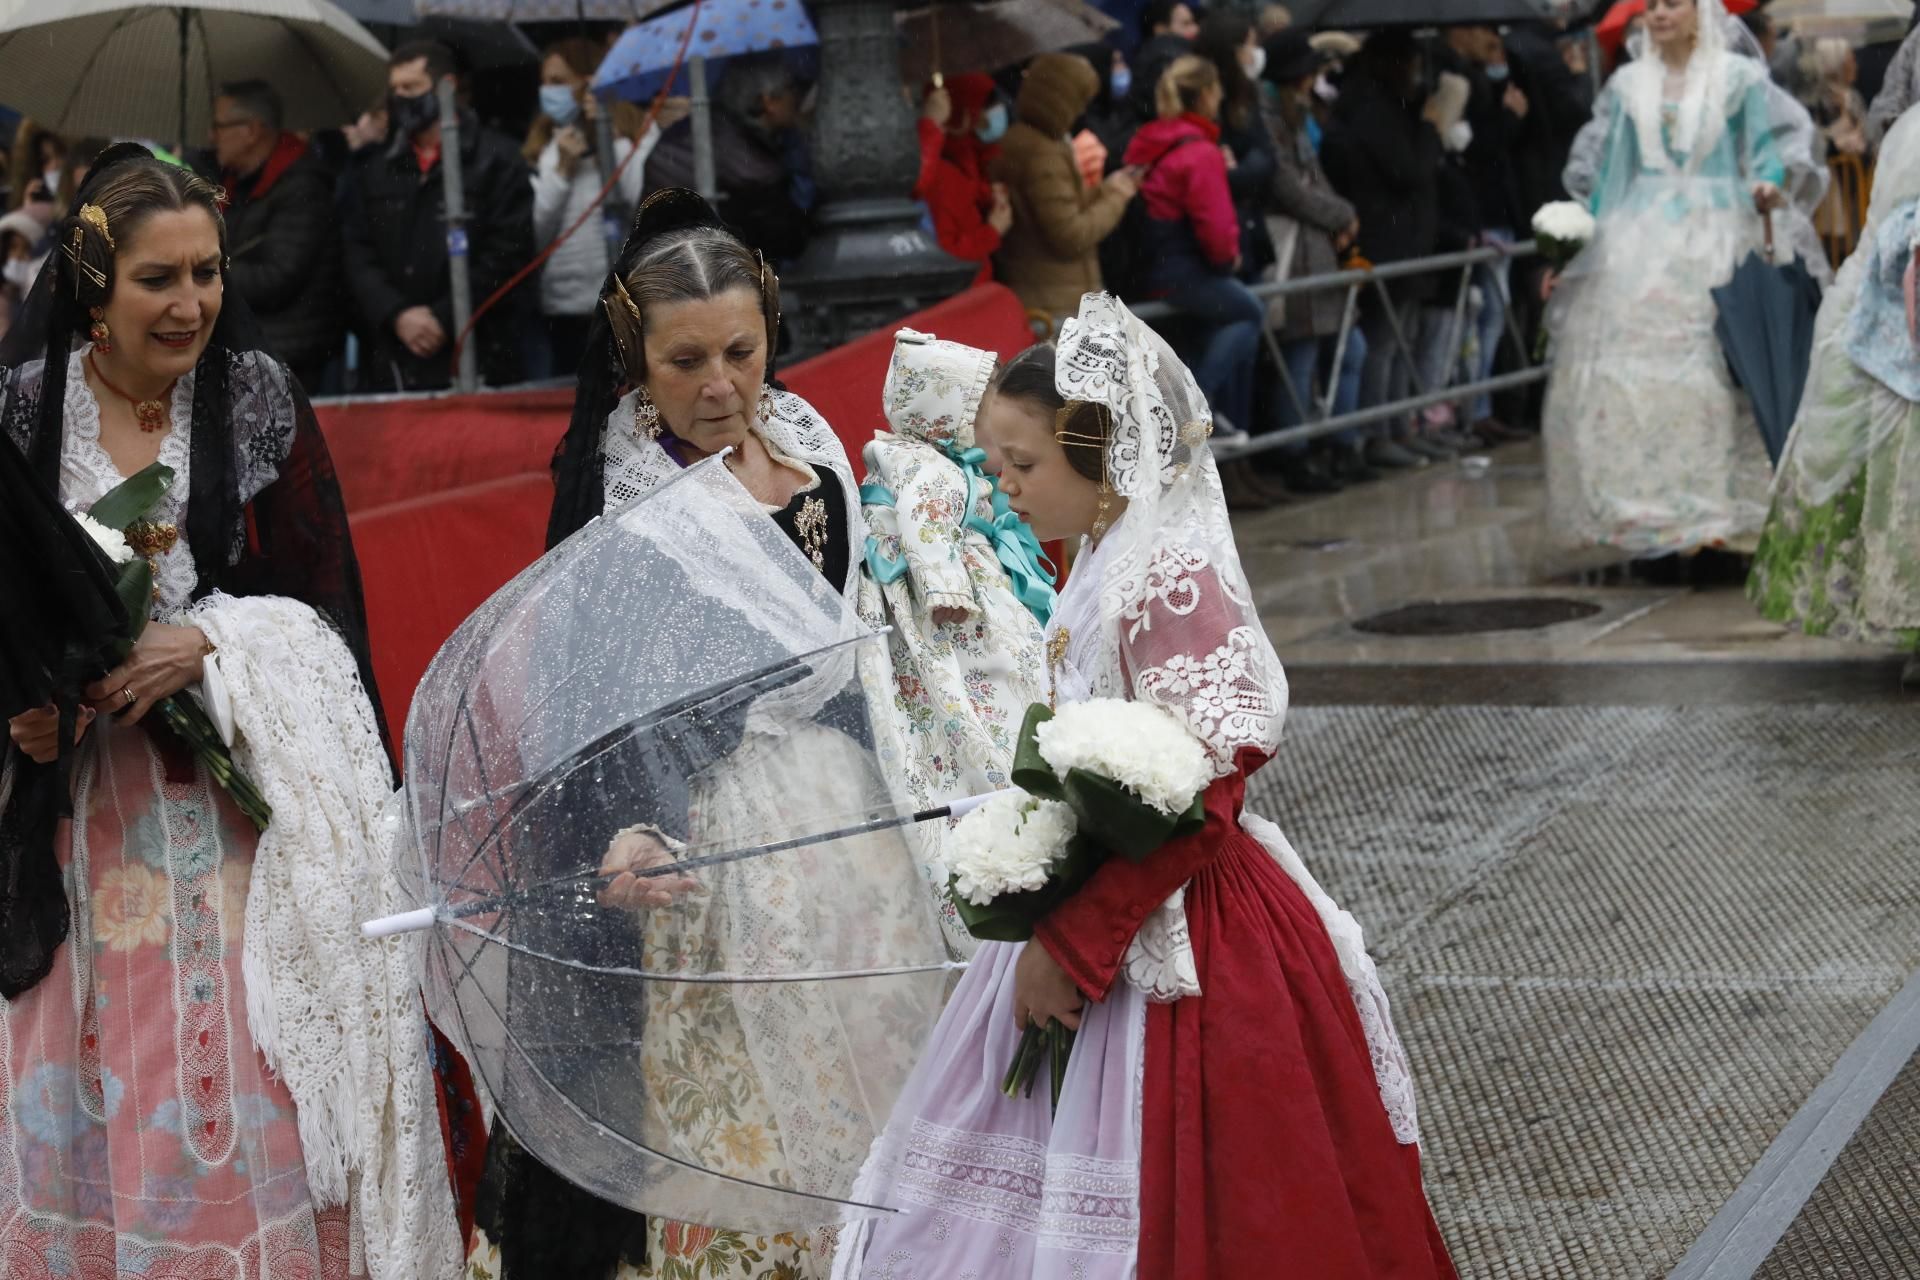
x=1825, y=16
x=136, y=70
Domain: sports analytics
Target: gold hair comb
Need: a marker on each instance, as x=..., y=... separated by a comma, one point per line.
x=96, y=217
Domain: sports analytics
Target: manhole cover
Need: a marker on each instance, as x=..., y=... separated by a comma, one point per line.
x=1469, y=617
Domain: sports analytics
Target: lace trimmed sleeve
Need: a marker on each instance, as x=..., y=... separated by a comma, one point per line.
x=1192, y=643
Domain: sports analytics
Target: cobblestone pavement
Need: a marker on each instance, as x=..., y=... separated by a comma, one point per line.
x=1634, y=886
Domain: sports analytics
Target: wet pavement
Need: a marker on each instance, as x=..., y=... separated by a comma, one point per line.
x=1641, y=884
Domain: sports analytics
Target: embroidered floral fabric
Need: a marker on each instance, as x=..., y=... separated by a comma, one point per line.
x=960, y=686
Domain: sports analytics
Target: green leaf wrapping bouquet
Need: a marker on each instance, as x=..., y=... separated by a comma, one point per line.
x=108, y=522
x=1095, y=780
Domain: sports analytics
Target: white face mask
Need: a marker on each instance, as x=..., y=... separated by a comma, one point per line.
x=19, y=273
x=1458, y=137
x=1253, y=61
x=52, y=178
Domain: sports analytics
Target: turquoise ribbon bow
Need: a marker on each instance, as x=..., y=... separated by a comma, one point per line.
x=1029, y=572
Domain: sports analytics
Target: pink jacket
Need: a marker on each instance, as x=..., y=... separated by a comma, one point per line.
x=1191, y=183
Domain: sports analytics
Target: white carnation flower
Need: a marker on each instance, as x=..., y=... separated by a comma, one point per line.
x=111, y=541
x=1008, y=845
x=1564, y=220
x=1143, y=747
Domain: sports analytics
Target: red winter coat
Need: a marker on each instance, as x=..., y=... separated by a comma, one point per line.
x=1190, y=184
x=955, y=193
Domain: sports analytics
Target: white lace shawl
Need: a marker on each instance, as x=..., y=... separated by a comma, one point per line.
x=796, y=432
x=1160, y=611
x=338, y=1019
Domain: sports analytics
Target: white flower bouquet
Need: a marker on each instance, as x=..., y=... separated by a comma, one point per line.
x=1562, y=229
x=1098, y=779
x=122, y=511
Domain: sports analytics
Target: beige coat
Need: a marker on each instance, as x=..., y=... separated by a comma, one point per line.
x=1051, y=255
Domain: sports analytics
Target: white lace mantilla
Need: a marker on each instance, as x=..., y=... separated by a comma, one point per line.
x=263, y=426
x=795, y=432
x=87, y=474
x=338, y=1018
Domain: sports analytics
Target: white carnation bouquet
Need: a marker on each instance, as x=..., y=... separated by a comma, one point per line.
x=1098, y=779
x=1561, y=229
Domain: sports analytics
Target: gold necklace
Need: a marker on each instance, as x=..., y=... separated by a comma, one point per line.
x=150, y=414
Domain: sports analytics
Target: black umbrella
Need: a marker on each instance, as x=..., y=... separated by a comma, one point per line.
x=1351, y=15
x=1765, y=326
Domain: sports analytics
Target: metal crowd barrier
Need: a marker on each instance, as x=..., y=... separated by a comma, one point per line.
x=1315, y=409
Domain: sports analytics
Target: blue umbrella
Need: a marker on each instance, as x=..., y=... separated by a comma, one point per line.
x=1765, y=327
x=639, y=64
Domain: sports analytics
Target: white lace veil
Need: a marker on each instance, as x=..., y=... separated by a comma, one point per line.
x=1727, y=63
x=1178, y=626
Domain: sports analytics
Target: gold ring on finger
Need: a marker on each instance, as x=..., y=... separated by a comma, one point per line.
x=130, y=696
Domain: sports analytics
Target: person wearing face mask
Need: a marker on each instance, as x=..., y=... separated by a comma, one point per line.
x=23, y=251
x=961, y=125
x=395, y=236
x=39, y=174
x=567, y=179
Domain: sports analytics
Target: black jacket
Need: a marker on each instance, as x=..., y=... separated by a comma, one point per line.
x=1489, y=159
x=396, y=255
x=284, y=246
x=1384, y=158
x=756, y=186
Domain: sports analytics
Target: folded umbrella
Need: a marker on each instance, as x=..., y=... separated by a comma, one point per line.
x=994, y=34
x=1765, y=327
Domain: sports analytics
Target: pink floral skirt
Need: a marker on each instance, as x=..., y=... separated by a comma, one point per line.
x=140, y=1131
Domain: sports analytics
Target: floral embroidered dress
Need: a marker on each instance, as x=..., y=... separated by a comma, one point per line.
x=712, y=1048
x=1236, y=1103
x=942, y=541
x=142, y=1133
x=1840, y=555
x=1650, y=446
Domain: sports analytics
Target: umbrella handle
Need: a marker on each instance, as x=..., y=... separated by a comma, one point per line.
x=405, y=922
x=1767, y=218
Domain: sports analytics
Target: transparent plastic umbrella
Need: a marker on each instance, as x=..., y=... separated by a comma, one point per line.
x=727, y=1058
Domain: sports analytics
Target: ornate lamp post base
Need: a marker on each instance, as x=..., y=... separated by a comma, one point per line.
x=870, y=261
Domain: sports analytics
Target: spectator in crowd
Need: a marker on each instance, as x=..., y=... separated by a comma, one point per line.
x=23, y=251
x=396, y=236
x=39, y=161
x=1193, y=251
x=759, y=157
x=1168, y=31
x=1900, y=89
x=1383, y=153
x=1108, y=119
x=1827, y=72
x=1050, y=255
x=1760, y=26
x=282, y=239
x=1320, y=226
x=1227, y=39
x=562, y=148
x=1445, y=342
x=1169, y=18
x=1496, y=115
x=960, y=131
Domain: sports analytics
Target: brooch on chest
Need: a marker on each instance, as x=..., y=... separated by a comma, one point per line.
x=811, y=525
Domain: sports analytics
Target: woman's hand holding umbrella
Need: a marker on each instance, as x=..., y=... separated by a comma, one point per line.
x=37, y=732
x=1767, y=197
x=636, y=851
